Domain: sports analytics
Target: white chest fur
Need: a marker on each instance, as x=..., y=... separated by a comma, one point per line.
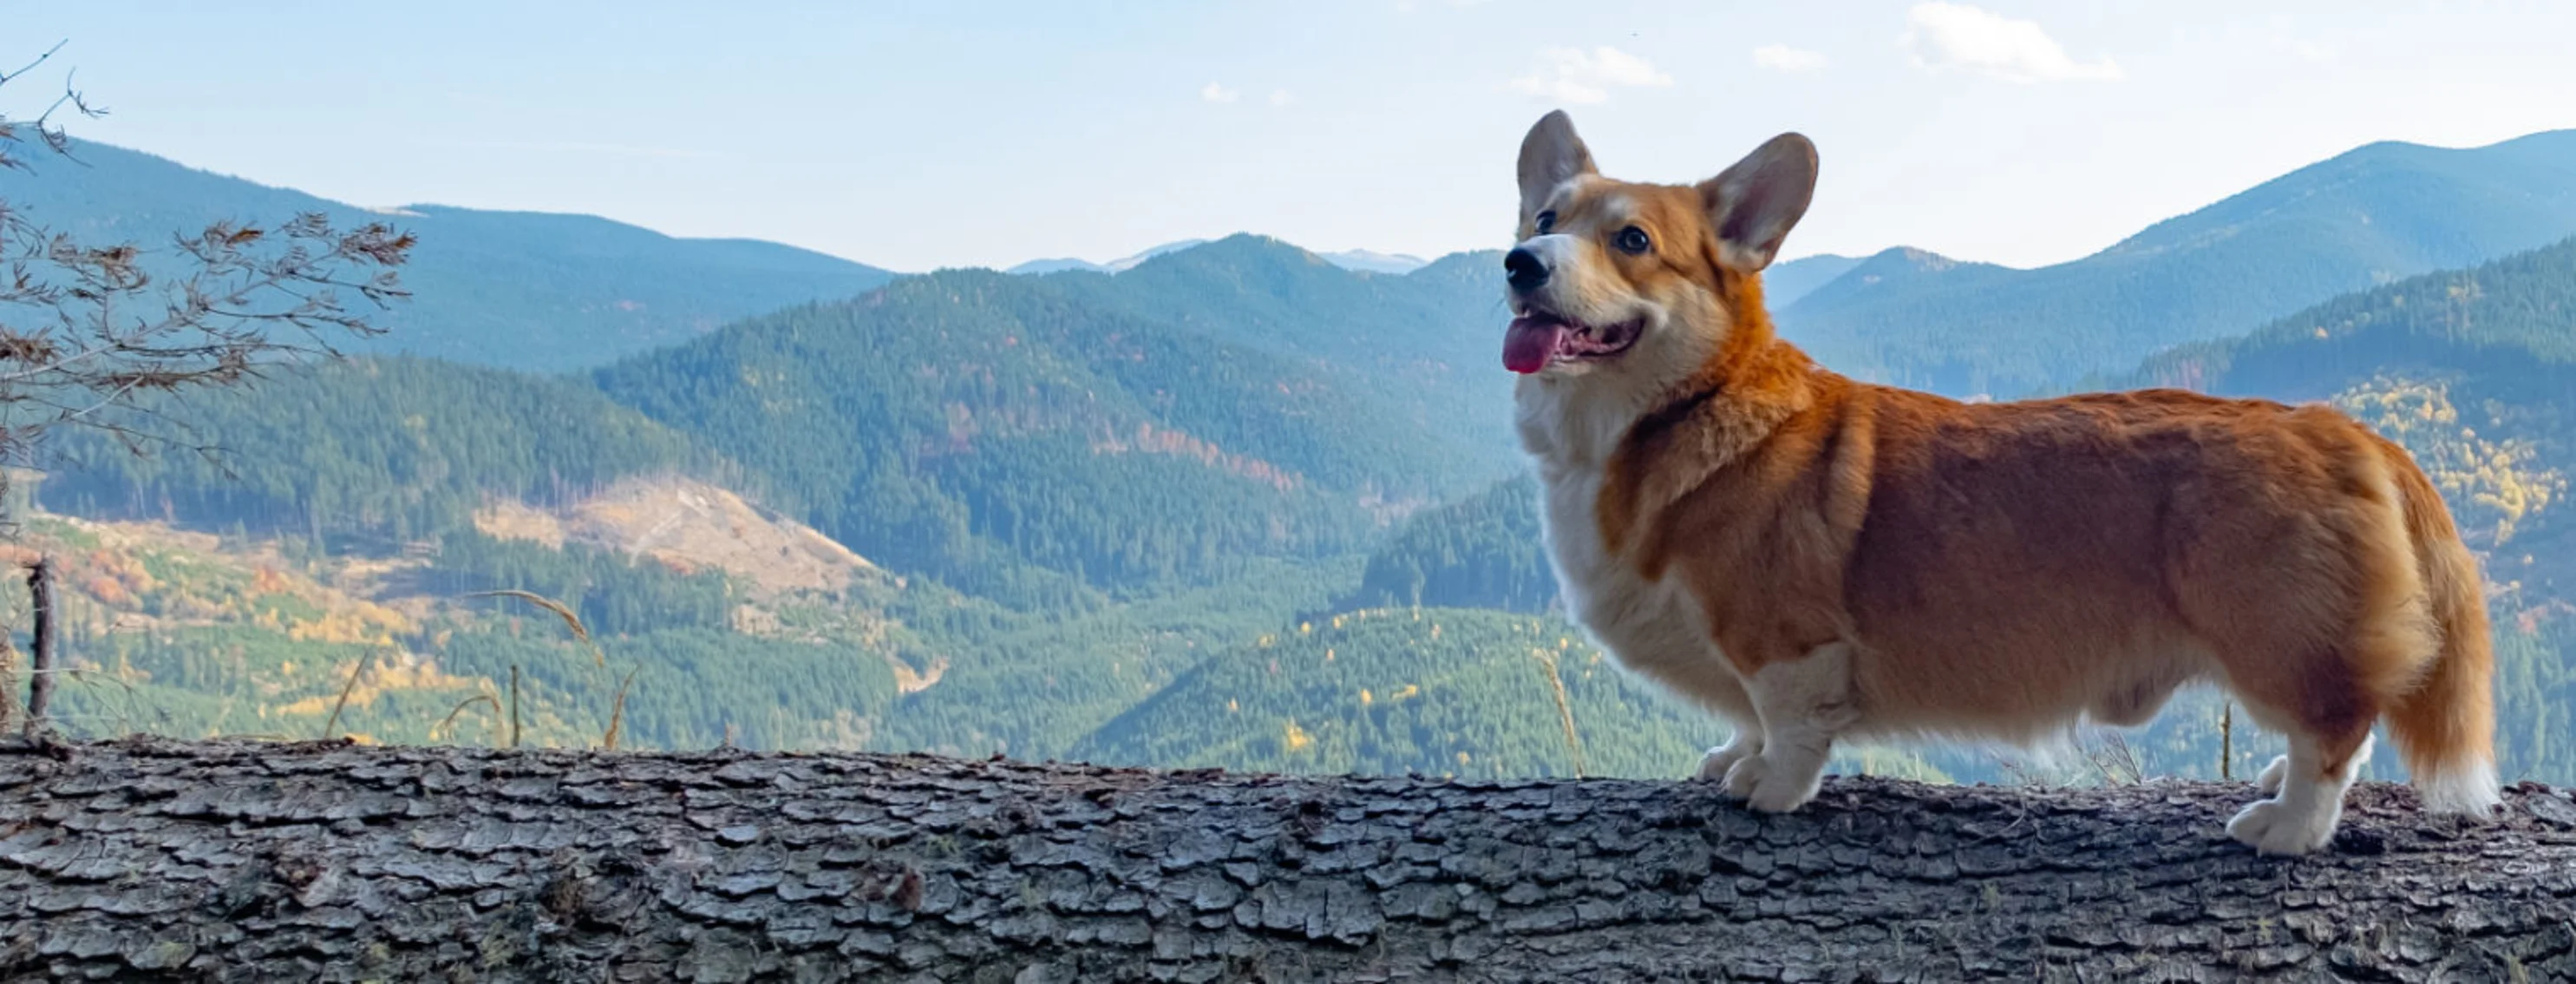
x=1653, y=627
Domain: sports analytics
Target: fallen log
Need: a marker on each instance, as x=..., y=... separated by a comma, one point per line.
x=152, y=860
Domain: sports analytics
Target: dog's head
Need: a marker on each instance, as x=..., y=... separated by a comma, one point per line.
x=1640, y=282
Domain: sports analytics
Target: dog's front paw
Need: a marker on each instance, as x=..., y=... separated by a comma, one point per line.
x=1746, y=775
x=2270, y=781
x=1721, y=760
x=1766, y=789
x=2271, y=828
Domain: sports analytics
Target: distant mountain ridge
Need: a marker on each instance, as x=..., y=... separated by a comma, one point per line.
x=1372, y=261
x=1359, y=260
x=2368, y=216
x=1788, y=280
x=521, y=290
x=1119, y=265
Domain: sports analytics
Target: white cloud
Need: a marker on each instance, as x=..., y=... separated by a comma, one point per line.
x=2312, y=51
x=1219, y=94
x=1952, y=35
x=1782, y=58
x=1574, y=75
x=1280, y=97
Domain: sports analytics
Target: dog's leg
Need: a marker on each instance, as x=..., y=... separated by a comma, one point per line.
x=1728, y=699
x=2302, y=817
x=1804, y=703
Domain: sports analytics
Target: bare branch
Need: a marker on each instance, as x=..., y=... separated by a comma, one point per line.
x=97, y=336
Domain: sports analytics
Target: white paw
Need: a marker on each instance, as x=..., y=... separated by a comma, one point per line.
x=1768, y=790
x=2270, y=781
x=1746, y=775
x=1719, y=760
x=2271, y=828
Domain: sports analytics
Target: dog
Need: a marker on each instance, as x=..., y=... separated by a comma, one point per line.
x=1817, y=559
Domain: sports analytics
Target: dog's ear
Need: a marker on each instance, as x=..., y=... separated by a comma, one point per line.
x=1753, y=204
x=1550, y=156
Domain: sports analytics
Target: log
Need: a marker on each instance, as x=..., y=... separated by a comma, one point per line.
x=157, y=860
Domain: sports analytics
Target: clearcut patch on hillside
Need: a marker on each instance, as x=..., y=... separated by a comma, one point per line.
x=689, y=525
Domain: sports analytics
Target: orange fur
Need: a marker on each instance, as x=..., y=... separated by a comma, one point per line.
x=1996, y=570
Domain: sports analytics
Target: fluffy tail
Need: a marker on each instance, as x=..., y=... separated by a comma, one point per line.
x=2445, y=727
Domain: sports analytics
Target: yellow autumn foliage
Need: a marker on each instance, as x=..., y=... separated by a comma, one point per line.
x=391, y=672
x=1297, y=738
x=2491, y=486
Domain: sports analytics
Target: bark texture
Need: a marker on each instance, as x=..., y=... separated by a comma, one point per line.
x=253, y=862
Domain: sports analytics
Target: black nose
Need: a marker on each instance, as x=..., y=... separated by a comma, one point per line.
x=1523, y=270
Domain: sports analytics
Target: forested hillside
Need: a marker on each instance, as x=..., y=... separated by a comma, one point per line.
x=396, y=448
x=2367, y=217
x=1439, y=691
x=190, y=634
x=1479, y=552
x=1020, y=437
x=1422, y=344
x=522, y=290
x=1140, y=494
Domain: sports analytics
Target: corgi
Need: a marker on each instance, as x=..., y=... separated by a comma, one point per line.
x=1816, y=559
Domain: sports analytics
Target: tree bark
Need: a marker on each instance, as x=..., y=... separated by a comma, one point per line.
x=153, y=860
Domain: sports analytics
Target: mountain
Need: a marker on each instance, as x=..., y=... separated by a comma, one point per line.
x=1426, y=342
x=1788, y=280
x=1478, y=552
x=1057, y=265
x=524, y=290
x=1369, y=261
x=2367, y=217
x=1122, y=474
x=1020, y=436
x=1118, y=265
x=376, y=449
x=1360, y=260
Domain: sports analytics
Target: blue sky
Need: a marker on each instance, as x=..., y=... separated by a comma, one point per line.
x=921, y=135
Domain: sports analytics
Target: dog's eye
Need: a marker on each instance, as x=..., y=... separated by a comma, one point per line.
x=1546, y=220
x=1632, y=240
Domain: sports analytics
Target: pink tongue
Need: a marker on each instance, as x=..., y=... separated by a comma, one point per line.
x=1528, y=343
